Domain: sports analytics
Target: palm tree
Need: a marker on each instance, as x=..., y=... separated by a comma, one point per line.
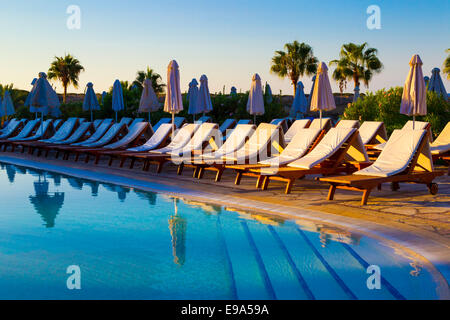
x=357, y=62
x=447, y=65
x=156, y=79
x=67, y=70
x=340, y=78
x=295, y=62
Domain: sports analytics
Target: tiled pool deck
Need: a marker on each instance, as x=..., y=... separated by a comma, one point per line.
x=410, y=216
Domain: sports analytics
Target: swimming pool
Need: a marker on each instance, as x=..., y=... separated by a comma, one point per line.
x=130, y=244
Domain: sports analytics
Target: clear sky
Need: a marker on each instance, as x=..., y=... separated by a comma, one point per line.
x=226, y=40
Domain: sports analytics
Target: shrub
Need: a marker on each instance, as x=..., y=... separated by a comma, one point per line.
x=384, y=105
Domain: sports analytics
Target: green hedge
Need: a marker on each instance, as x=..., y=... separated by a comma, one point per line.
x=384, y=105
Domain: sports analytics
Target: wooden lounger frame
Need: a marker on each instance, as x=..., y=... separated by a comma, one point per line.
x=366, y=184
x=329, y=166
x=201, y=166
x=97, y=152
x=245, y=169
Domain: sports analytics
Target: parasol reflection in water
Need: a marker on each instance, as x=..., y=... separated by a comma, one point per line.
x=177, y=226
x=46, y=204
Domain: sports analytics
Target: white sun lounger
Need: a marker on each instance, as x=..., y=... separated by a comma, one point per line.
x=42, y=131
x=182, y=137
x=296, y=149
x=405, y=158
x=418, y=125
x=27, y=130
x=442, y=143
x=202, y=135
x=10, y=129
x=326, y=124
x=134, y=132
x=110, y=135
x=79, y=133
x=347, y=124
x=239, y=135
x=329, y=145
x=397, y=154
x=295, y=127
x=63, y=132
x=96, y=135
x=373, y=132
x=156, y=139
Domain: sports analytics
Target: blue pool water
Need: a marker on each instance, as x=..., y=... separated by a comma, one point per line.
x=131, y=244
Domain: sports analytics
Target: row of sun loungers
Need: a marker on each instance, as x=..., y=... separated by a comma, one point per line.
x=268, y=152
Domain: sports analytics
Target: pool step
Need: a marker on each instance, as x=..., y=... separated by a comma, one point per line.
x=316, y=271
x=399, y=270
x=249, y=280
x=349, y=269
x=286, y=280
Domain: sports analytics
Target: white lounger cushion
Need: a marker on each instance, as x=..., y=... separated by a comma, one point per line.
x=12, y=126
x=369, y=129
x=227, y=124
x=396, y=155
x=348, y=124
x=63, y=132
x=418, y=125
x=331, y=143
x=135, y=131
x=155, y=141
x=296, y=149
x=78, y=134
x=182, y=137
x=316, y=123
x=96, y=135
x=234, y=142
x=295, y=127
x=442, y=142
x=26, y=131
x=110, y=135
x=202, y=135
x=40, y=131
x=256, y=144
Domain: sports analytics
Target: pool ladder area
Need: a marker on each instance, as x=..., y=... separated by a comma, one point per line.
x=265, y=262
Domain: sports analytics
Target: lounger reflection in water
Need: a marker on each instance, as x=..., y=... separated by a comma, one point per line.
x=406, y=157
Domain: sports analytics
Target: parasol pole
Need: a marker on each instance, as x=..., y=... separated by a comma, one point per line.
x=320, y=112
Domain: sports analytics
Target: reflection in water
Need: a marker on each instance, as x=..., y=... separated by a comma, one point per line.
x=177, y=226
x=56, y=178
x=207, y=208
x=329, y=233
x=11, y=173
x=94, y=187
x=46, y=204
x=121, y=191
x=20, y=169
x=150, y=196
x=75, y=183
